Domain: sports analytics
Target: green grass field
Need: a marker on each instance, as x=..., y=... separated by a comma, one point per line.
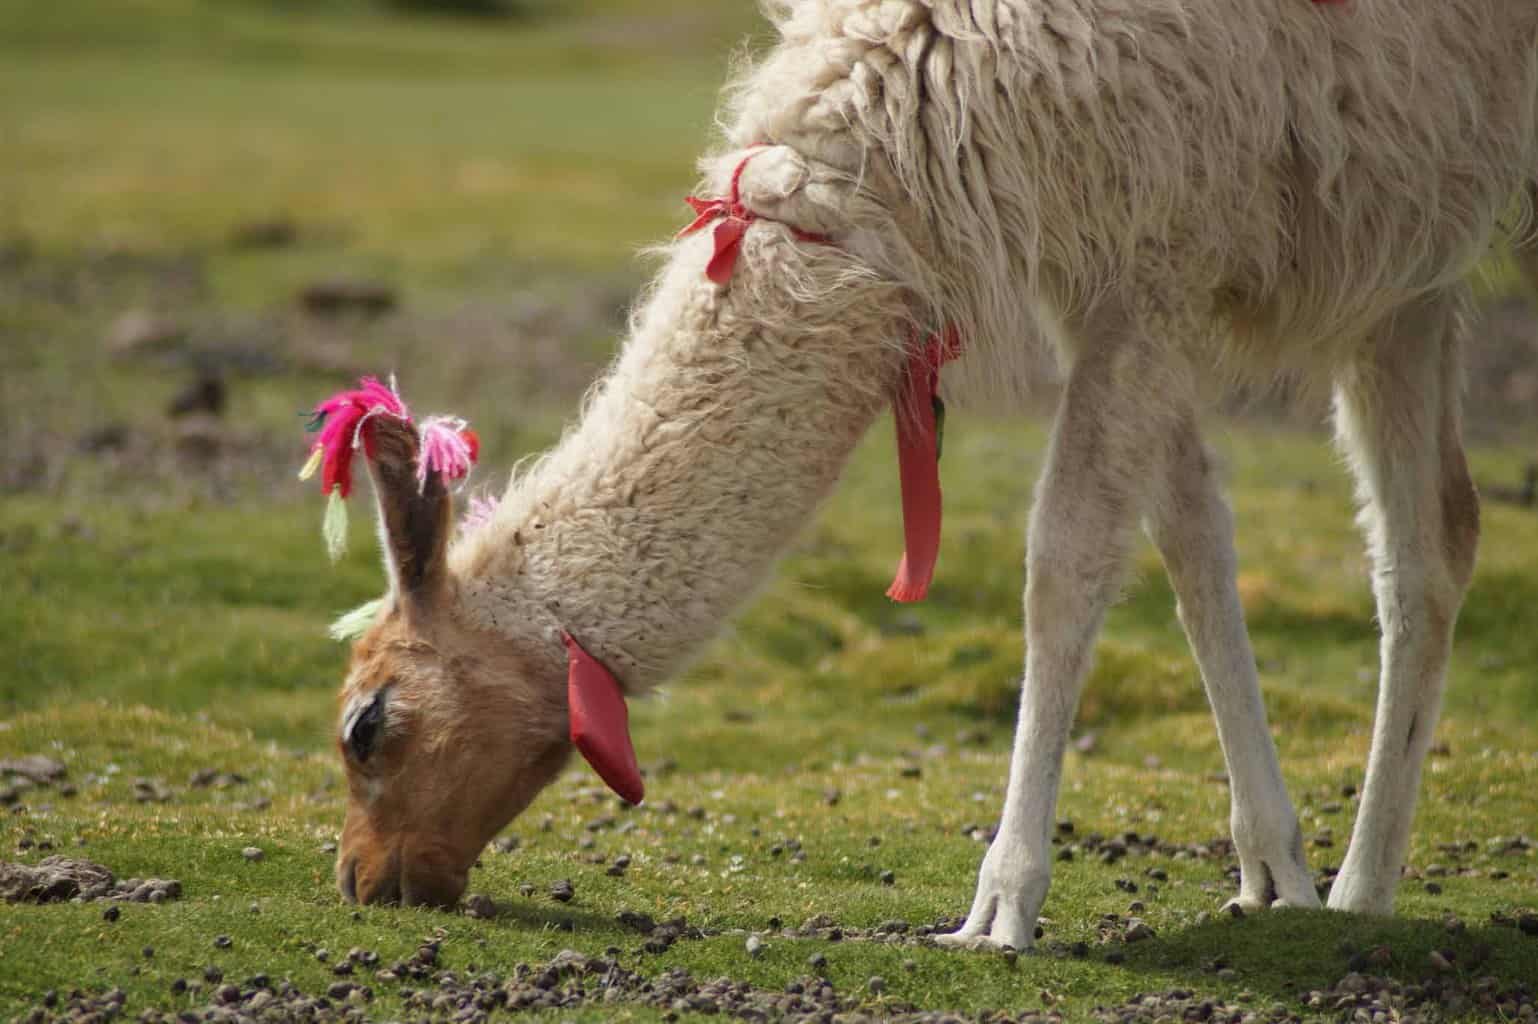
x=164, y=593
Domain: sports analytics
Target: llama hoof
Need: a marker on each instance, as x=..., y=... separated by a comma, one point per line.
x=1242, y=906
x=961, y=940
x=1008, y=898
x=1354, y=895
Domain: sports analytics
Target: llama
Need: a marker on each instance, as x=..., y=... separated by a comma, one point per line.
x=1180, y=195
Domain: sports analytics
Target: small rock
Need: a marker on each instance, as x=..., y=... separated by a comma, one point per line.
x=562, y=891
x=755, y=946
x=222, y=942
x=1138, y=930
x=876, y=985
x=35, y=768
x=888, y=878
x=481, y=906
x=636, y=921
x=252, y=853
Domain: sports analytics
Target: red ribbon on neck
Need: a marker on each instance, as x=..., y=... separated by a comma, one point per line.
x=917, y=406
x=734, y=218
x=600, y=722
x=919, y=415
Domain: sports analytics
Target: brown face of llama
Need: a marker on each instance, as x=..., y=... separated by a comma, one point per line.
x=441, y=731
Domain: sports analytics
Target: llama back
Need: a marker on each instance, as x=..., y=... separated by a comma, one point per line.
x=1292, y=171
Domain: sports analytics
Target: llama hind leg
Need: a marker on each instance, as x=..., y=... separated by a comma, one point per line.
x=1087, y=501
x=1193, y=529
x=1397, y=413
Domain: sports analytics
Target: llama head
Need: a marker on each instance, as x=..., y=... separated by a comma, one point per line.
x=446, y=731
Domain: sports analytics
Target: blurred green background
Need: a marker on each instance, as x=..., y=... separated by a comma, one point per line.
x=215, y=212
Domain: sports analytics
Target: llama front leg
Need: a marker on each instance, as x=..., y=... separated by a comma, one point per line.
x=1193, y=529
x=1087, y=499
x=1397, y=414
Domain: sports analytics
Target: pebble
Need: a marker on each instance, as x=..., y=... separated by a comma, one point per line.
x=888, y=878
x=562, y=891
x=876, y=985
x=1138, y=930
x=252, y=853
x=754, y=946
x=222, y=942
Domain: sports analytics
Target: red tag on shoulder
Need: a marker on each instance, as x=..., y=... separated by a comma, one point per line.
x=600, y=722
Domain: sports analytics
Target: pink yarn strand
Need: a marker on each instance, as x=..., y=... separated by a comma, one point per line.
x=445, y=449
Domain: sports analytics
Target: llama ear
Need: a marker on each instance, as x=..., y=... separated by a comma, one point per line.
x=415, y=516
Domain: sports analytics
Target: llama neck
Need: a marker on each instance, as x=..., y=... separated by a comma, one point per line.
x=727, y=419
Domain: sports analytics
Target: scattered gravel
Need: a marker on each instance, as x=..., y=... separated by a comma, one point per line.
x=1359, y=996
x=572, y=981
x=57, y=879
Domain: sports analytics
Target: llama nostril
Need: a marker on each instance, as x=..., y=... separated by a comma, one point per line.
x=347, y=881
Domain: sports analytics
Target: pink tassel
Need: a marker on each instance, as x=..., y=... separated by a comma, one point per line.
x=479, y=513
x=448, y=447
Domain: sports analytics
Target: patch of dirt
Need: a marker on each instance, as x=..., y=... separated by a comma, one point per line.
x=60, y=879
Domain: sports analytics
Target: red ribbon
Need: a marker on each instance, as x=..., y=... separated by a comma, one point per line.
x=734, y=218
x=917, y=412
x=600, y=722
x=917, y=406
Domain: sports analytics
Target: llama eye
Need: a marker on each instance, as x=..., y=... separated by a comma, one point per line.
x=361, y=730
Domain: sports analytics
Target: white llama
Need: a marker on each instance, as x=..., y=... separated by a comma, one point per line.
x=1181, y=194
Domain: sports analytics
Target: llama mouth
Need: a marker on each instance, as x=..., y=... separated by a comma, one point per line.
x=387, y=891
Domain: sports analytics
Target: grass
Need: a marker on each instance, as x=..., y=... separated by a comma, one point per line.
x=164, y=613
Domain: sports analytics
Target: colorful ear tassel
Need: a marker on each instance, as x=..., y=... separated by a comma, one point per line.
x=446, y=446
